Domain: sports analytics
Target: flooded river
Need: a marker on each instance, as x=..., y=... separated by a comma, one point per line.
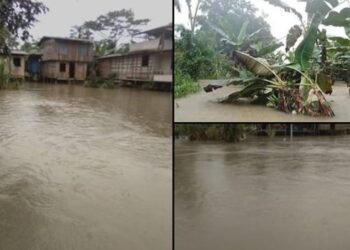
x=266, y=194
x=85, y=169
x=204, y=107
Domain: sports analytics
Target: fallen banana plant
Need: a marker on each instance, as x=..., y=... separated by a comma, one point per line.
x=268, y=87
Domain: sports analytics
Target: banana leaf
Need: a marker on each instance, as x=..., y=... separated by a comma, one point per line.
x=341, y=19
x=243, y=32
x=248, y=91
x=258, y=66
x=347, y=31
x=269, y=49
x=319, y=6
x=341, y=40
x=303, y=52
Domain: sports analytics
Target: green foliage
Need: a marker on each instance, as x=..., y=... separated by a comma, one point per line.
x=30, y=47
x=95, y=81
x=5, y=79
x=303, y=52
x=196, y=57
x=4, y=75
x=184, y=85
x=18, y=16
x=341, y=19
x=112, y=26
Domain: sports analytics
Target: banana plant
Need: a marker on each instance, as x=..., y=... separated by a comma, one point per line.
x=269, y=86
x=250, y=43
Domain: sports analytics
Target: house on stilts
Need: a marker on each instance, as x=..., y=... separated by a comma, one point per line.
x=65, y=59
x=149, y=61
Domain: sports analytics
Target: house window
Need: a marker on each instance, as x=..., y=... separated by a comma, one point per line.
x=62, y=67
x=17, y=62
x=145, y=61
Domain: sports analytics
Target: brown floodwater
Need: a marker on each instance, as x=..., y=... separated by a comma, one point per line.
x=266, y=194
x=85, y=168
x=204, y=107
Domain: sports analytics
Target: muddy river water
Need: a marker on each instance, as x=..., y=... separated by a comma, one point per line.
x=85, y=169
x=265, y=194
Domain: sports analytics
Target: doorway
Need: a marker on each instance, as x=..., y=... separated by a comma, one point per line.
x=71, y=70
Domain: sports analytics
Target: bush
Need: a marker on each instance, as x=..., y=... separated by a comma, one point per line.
x=184, y=85
x=4, y=75
x=94, y=81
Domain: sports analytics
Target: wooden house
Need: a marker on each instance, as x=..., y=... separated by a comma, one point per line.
x=148, y=61
x=16, y=64
x=65, y=58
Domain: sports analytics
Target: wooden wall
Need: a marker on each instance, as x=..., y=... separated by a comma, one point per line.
x=56, y=50
x=52, y=70
x=129, y=67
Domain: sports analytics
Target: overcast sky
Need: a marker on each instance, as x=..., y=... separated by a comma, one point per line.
x=279, y=20
x=64, y=14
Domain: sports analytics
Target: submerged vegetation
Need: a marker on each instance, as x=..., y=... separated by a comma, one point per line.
x=295, y=81
x=225, y=132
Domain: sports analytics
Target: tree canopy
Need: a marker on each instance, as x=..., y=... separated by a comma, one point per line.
x=112, y=27
x=16, y=19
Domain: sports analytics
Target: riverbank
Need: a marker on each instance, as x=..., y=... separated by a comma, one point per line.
x=203, y=107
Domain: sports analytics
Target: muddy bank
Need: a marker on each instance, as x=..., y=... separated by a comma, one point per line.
x=203, y=107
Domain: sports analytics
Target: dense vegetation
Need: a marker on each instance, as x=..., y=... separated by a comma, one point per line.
x=294, y=81
x=197, y=51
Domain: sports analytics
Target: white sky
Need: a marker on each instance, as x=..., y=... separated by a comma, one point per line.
x=64, y=14
x=279, y=20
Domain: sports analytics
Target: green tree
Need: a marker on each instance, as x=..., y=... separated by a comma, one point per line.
x=112, y=26
x=30, y=46
x=16, y=18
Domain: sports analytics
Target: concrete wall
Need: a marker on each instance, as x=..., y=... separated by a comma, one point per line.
x=15, y=71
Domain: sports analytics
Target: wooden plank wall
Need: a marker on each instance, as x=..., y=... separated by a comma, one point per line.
x=127, y=68
x=57, y=50
x=52, y=70
x=130, y=67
